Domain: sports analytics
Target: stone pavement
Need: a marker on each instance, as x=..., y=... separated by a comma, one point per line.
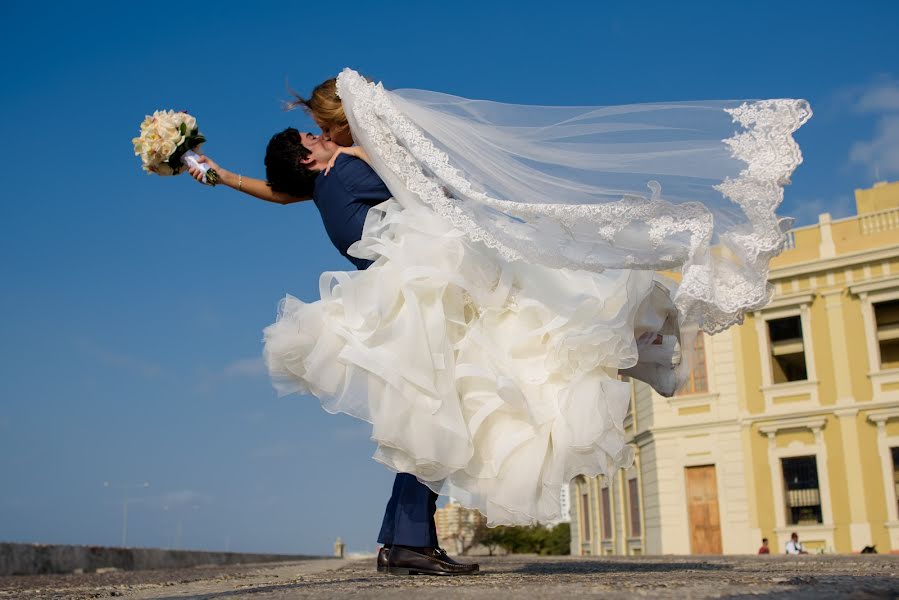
x=859, y=577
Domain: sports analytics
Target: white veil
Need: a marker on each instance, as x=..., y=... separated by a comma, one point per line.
x=690, y=187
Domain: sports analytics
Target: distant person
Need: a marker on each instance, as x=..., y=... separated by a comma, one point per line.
x=794, y=546
x=764, y=549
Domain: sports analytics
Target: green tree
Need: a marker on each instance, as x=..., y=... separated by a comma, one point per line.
x=558, y=539
x=534, y=539
x=493, y=538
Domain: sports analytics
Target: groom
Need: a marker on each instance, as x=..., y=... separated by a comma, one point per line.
x=294, y=165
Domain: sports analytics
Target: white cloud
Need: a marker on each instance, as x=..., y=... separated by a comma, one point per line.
x=245, y=367
x=880, y=154
x=806, y=211
x=883, y=96
x=118, y=360
x=209, y=382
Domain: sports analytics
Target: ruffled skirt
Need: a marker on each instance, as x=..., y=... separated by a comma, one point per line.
x=493, y=382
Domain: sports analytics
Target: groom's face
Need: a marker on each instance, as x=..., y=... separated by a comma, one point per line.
x=320, y=150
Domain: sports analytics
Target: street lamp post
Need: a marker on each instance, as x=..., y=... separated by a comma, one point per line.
x=125, y=501
x=176, y=537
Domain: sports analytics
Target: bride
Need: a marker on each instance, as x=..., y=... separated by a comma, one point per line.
x=516, y=273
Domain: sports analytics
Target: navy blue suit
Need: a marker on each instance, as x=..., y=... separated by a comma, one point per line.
x=343, y=198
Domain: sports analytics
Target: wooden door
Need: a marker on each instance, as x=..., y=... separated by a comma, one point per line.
x=702, y=507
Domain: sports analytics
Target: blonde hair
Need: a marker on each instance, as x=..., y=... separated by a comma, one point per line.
x=324, y=106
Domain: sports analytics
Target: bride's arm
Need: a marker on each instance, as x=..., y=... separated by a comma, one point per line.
x=248, y=185
x=356, y=151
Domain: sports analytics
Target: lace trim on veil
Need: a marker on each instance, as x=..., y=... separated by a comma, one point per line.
x=405, y=148
x=720, y=283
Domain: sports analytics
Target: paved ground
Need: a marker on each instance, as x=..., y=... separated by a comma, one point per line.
x=775, y=577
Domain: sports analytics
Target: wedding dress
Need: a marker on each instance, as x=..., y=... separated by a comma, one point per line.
x=517, y=273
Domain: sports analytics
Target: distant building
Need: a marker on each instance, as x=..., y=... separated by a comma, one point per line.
x=458, y=527
x=565, y=500
x=789, y=422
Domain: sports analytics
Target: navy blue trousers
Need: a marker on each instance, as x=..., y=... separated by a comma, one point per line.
x=409, y=518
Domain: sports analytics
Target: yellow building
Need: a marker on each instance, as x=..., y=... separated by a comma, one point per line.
x=790, y=422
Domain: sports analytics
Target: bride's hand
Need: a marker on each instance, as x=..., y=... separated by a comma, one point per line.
x=355, y=151
x=198, y=173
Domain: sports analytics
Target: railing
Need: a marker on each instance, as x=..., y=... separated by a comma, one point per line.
x=869, y=223
x=884, y=220
x=806, y=497
x=791, y=240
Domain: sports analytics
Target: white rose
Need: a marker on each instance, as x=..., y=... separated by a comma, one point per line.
x=189, y=121
x=167, y=148
x=170, y=134
x=162, y=120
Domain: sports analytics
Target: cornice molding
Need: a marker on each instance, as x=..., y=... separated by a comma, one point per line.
x=829, y=264
x=813, y=423
x=792, y=299
x=875, y=285
x=883, y=415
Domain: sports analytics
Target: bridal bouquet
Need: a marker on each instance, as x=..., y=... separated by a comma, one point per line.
x=166, y=144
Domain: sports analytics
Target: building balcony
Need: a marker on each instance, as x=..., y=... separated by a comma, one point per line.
x=875, y=226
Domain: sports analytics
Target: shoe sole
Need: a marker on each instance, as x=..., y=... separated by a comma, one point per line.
x=403, y=571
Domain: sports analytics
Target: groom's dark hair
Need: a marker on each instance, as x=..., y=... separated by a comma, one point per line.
x=284, y=169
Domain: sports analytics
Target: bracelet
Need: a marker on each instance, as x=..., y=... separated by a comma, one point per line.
x=239, y=182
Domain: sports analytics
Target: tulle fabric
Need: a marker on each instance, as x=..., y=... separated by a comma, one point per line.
x=686, y=186
x=491, y=381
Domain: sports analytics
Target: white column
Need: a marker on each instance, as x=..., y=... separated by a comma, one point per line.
x=886, y=466
x=761, y=330
x=805, y=317
x=826, y=249
x=870, y=334
x=859, y=527
x=777, y=483
x=823, y=476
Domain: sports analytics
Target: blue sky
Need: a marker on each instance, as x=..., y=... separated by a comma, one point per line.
x=132, y=306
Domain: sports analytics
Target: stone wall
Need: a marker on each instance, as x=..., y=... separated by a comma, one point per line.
x=33, y=559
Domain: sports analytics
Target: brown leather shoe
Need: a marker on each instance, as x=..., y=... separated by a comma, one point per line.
x=403, y=560
x=383, y=553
